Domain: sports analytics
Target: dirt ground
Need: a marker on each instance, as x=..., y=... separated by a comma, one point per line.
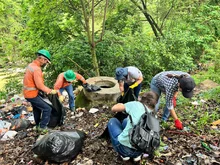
x=183, y=147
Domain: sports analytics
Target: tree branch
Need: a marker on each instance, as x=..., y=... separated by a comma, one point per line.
x=86, y=21
x=72, y=6
x=103, y=23
x=144, y=5
x=167, y=14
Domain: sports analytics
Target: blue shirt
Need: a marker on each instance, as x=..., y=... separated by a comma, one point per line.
x=136, y=110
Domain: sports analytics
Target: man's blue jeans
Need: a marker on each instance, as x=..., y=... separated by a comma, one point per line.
x=136, y=89
x=69, y=90
x=115, y=128
x=154, y=88
x=41, y=111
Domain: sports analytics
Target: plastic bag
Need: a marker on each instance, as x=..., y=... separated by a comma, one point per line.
x=59, y=147
x=128, y=96
x=91, y=88
x=19, y=124
x=19, y=110
x=58, y=113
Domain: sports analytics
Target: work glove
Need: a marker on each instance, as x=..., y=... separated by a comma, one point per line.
x=61, y=98
x=174, y=101
x=178, y=124
x=53, y=92
x=134, y=85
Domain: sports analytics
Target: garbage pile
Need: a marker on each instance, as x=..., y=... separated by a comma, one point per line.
x=15, y=115
x=16, y=123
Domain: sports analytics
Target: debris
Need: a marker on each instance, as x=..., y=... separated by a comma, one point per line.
x=189, y=159
x=181, y=133
x=164, y=148
x=93, y=110
x=195, y=103
x=206, y=146
x=96, y=125
x=2, y=101
x=8, y=135
x=167, y=154
x=214, y=147
x=145, y=155
x=217, y=122
x=79, y=114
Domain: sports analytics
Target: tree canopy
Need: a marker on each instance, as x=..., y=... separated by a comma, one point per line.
x=100, y=35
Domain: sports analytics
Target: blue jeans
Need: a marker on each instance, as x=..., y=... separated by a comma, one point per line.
x=69, y=90
x=154, y=88
x=41, y=111
x=115, y=128
x=137, y=89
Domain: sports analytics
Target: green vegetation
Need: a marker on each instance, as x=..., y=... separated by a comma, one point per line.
x=100, y=36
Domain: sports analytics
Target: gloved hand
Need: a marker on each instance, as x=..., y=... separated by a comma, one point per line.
x=134, y=85
x=178, y=124
x=53, y=92
x=61, y=98
x=122, y=93
x=174, y=101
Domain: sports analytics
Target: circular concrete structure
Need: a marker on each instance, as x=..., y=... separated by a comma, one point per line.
x=109, y=89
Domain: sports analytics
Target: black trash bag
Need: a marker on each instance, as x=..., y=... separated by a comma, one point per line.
x=128, y=96
x=87, y=87
x=19, y=124
x=95, y=88
x=18, y=110
x=58, y=113
x=91, y=88
x=59, y=147
x=21, y=135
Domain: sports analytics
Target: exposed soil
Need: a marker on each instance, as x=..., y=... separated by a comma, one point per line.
x=183, y=147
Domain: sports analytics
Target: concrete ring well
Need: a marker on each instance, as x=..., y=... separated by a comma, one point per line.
x=109, y=89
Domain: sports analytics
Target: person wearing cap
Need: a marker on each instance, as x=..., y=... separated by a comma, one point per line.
x=170, y=82
x=129, y=77
x=33, y=82
x=64, y=82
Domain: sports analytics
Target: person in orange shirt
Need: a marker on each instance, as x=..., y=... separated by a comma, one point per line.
x=64, y=82
x=33, y=82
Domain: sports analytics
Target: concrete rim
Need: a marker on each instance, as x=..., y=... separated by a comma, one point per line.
x=109, y=89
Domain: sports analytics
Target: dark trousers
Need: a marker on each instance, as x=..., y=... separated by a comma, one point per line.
x=41, y=111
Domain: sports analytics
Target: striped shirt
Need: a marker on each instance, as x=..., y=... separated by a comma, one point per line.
x=168, y=85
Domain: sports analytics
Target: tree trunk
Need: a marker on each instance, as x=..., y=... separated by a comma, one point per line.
x=95, y=61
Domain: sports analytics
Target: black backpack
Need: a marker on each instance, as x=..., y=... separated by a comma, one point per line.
x=145, y=135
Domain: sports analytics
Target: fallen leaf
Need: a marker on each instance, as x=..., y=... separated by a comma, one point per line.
x=217, y=122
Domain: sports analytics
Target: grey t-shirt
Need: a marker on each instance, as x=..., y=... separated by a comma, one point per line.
x=133, y=74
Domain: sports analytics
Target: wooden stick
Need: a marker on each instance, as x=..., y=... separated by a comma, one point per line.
x=79, y=67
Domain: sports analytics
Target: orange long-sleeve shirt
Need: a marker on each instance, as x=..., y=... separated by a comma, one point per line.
x=61, y=81
x=33, y=80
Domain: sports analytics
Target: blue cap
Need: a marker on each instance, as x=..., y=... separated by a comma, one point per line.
x=120, y=73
